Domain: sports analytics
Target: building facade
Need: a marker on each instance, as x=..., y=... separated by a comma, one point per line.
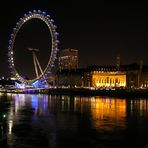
x=123, y=76
x=130, y=76
x=108, y=79
x=68, y=59
x=70, y=78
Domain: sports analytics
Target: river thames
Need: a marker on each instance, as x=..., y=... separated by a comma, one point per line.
x=61, y=121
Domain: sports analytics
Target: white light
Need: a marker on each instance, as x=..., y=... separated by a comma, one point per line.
x=39, y=11
x=52, y=20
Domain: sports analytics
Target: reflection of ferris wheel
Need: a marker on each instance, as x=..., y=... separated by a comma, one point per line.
x=52, y=28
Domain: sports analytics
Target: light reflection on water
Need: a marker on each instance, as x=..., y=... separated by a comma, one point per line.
x=76, y=121
x=108, y=113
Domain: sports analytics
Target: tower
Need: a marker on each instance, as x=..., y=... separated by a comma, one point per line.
x=139, y=73
x=118, y=61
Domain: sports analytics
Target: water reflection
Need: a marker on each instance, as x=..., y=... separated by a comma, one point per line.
x=138, y=108
x=107, y=112
x=76, y=121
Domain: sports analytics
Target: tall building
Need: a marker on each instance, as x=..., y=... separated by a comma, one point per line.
x=68, y=59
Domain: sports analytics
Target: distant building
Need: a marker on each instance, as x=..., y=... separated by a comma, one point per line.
x=112, y=76
x=68, y=59
x=108, y=79
x=130, y=76
x=70, y=78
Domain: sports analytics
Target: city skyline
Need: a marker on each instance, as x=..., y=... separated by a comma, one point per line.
x=99, y=32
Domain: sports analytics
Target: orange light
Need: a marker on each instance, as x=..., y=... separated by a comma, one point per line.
x=109, y=79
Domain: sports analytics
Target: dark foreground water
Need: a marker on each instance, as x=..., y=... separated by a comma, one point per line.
x=44, y=121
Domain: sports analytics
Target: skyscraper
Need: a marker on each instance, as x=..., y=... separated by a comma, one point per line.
x=68, y=59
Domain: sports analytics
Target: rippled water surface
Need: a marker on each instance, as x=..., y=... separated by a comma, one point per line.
x=45, y=121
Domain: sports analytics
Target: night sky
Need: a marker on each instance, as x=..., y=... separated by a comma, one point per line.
x=99, y=30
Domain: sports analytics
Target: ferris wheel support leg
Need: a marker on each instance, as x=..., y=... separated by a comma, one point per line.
x=38, y=64
x=35, y=64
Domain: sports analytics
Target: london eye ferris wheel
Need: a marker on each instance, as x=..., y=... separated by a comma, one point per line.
x=41, y=74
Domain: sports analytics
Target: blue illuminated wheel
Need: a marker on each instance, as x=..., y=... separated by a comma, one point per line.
x=35, y=14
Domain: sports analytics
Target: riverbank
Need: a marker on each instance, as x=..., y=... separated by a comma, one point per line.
x=122, y=93
x=97, y=92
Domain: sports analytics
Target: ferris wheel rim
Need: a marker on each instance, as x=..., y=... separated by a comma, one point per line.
x=41, y=15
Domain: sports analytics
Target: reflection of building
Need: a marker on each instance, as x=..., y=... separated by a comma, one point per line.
x=112, y=109
x=68, y=59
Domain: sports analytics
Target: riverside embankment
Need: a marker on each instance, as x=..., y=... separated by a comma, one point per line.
x=97, y=92
x=122, y=93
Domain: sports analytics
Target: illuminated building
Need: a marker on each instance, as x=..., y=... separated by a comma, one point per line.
x=130, y=76
x=108, y=79
x=111, y=76
x=68, y=59
x=143, y=76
